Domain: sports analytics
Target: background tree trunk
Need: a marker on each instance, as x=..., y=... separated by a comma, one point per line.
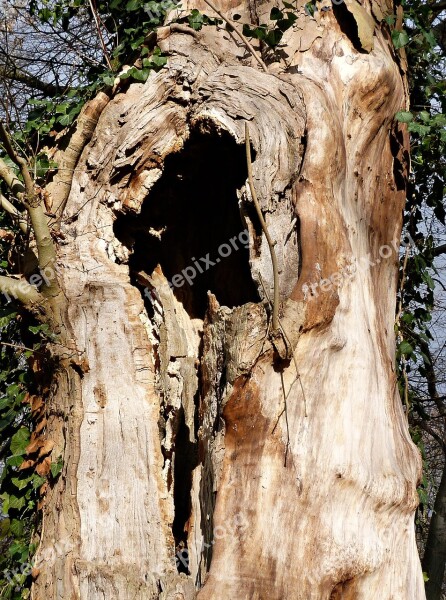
x=185, y=431
x=434, y=558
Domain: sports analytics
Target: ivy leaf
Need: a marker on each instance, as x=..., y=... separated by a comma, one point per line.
x=138, y=42
x=390, y=19
x=275, y=14
x=37, y=481
x=4, y=528
x=65, y=120
x=404, y=116
x=4, y=403
x=430, y=38
x=16, y=502
x=259, y=32
x=422, y=494
x=141, y=74
x=132, y=5
x=20, y=441
x=399, y=38
x=284, y=24
x=428, y=280
x=17, y=527
x=108, y=80
x=20, y=550
x=21, y=482
x=405, y=348
x=158, y=61
x=15, y=461
x=310, y=9
x=422, y=130
x=196, y=19
x=273, y=37
x=56, y=467
x=62, y=108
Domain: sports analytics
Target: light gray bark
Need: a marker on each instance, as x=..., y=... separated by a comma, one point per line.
x=174, y=431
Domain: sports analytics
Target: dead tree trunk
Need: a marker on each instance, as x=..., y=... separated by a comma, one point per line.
x=203, y=450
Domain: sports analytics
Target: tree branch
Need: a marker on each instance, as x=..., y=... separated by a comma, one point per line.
x=440, y=250
x=423, y=425
x=15, y=74
x=21, y=290
x=11, y=209
x=431, y=376
x=60, y=187
x=45, y=246
x=437, y=8
x=100, y=36
x=13, y=182
x=271, y=243
x=240, y=34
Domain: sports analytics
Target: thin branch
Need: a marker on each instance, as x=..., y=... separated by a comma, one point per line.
x=17, y=346
x=431, y=375
x=12, y=210
x=15, y=74
x=440, y=250
x=438, y=8
x=11, y=180
x=101, y=39
x=400, y=336
x=45, y=245
x=240, y=34
x=271, y=244
x=402, y=284
x=19, y=289
x=423, y=425
x=18, y=160
x=59, y=189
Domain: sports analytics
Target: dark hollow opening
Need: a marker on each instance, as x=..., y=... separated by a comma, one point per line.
x=185, y=463
x=194, y=207
x=348, y=24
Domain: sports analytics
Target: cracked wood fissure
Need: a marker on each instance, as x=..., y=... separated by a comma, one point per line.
x=172, y=429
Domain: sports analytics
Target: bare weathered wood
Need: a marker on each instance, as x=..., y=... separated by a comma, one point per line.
x=169, y=390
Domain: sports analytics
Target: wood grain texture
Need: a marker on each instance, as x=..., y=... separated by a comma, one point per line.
x=329, y=165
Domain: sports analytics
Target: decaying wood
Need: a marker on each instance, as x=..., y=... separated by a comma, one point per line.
x=174, y=438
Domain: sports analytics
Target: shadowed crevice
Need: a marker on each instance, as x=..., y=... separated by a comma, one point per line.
x=348, y=25
x=190, y=224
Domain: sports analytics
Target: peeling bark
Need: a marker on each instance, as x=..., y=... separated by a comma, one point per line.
x=198, y=458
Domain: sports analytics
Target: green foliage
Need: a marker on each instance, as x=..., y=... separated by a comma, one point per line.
x=399, y=38
x=17, y=490
x=196, y=20
x=424, y=215
x=425, y=199
x=125, y=30
x=19, y=487
x=271, y=34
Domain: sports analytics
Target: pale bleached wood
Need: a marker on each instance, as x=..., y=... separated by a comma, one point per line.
x=337, y=520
